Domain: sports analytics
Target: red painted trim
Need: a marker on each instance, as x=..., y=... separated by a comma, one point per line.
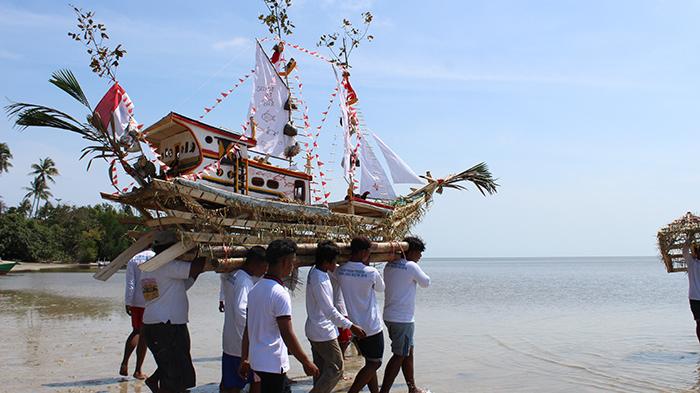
x=271, y=168
x=248, y=141
x=377, y=204
x=199, y=147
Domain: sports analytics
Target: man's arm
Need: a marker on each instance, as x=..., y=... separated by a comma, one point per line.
x=244, y=369
x=324, y=297
x=129, y=287
x=687, y=255
x=222, y=276
x=290, y=340
x=420, y=277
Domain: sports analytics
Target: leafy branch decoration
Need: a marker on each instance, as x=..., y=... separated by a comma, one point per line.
x=93, y=35
x=342, y=43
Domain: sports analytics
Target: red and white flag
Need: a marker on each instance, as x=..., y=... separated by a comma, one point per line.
x=116, y=111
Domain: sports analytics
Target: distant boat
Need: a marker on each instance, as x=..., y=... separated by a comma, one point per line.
x=5, y=267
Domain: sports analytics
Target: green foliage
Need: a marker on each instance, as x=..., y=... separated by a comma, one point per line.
x=5, y=157
x=277, y=20
x=103, y=59
x=63, y=233
x=341, y=44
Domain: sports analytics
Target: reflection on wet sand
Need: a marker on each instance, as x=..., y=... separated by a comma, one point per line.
x=36, y=304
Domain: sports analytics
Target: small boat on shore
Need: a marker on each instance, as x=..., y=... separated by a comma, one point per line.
x=5, y=267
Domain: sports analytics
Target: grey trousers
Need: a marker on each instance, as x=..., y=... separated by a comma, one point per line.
x=329, y=360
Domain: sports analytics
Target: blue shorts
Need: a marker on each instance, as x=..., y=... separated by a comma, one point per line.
x=229, y=372
x=401, y=335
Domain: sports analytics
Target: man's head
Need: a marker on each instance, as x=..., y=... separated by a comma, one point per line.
x=360, y=249
x=162, y=240
x=280, y=256
x=416, y=246
x=326, y=253
x=255, y=261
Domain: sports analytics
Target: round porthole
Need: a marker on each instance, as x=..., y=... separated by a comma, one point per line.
x=273, y=184
x=208, y=139
x=219, y=172
x=230, y=174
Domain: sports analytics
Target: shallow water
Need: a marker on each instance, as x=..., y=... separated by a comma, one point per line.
x=485, y=325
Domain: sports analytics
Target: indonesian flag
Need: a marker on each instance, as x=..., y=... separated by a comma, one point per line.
x=116, y=112
x=351, y=98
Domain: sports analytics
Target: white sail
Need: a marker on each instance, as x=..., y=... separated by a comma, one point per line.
x=401, y=173
x=267, y=103
x=373, y=177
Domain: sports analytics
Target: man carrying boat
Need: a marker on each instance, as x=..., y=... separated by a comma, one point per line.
x=401, y=277
x=235, y=287
x=135, y=305
x=269, y=333
x=692, y=262
x=323, y=319
x=165, y=319
x=359, y=282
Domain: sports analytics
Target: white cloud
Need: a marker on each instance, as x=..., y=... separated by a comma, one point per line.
x=7, y=55
x=233, y=43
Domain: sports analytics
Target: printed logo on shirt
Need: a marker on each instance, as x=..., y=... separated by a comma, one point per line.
x=149, y=287
x=352, y=273
x=396, y=265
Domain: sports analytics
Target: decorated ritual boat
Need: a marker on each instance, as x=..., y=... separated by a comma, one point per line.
x=673, y=237
x=223, y=190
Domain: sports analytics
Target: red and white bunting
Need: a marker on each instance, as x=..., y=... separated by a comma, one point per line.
x=226, y=93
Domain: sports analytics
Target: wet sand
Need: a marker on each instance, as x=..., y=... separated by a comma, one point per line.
x=511, y=325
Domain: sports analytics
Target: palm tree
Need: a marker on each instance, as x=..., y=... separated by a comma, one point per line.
x=45, y=170
x=102, y=144
x=5, y=157
x=38, y=190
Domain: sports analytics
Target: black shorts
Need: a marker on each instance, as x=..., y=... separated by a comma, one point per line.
x=695, y=308
x=170, y=346
x=372, y=347
x=272, y=383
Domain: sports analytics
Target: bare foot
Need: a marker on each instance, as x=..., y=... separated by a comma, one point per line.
x=140, y=375
x=152, y=384
x=124, y=369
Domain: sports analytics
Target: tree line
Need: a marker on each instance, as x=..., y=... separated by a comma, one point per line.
x=39, y=230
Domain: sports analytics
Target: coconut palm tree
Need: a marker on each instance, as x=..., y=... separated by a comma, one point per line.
x=45, y=170
x=101, y=144
x=38, y=190
x=5, y=157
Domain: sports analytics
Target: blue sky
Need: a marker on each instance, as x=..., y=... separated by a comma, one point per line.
x=586, y=111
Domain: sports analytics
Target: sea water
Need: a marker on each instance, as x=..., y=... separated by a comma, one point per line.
x=484, y=325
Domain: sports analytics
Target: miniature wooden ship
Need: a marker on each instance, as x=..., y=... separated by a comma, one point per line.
x=221, y=190
x=673, y=237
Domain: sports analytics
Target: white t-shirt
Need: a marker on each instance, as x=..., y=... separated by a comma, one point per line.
x=693, y=265
x=359, y=283
x=165, y=291
x=235, y=287
x=322, y=316
x=133, y=296
x=338, y=300
x=401, y=278
x=266, y=301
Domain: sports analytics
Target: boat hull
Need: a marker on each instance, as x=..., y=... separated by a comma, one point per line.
x=5, y=267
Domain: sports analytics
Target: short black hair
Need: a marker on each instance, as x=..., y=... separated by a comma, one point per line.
x=255, y=254
x=415, y=243
x=360, y=243
x=279, y=248
x=326, y=250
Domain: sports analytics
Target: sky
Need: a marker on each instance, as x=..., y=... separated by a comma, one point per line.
x=585, y=111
